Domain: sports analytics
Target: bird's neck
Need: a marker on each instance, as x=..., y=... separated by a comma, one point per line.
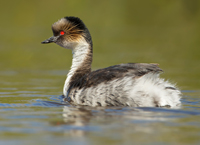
x=81, y=64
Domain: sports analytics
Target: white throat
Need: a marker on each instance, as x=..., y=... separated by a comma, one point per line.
x=79, y=55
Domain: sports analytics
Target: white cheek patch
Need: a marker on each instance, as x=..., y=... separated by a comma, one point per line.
x=72, y=44
x=67, y=45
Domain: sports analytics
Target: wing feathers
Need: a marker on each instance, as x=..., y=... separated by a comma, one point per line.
x=114, y=72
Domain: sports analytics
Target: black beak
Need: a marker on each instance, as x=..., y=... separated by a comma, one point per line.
x=50, y=40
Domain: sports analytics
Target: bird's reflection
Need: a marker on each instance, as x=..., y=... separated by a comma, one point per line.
x=76, y=115
x=80, y=120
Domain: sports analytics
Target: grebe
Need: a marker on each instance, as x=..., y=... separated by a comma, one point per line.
x=132, y=84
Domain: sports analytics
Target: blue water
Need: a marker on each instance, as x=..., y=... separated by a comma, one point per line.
x=33, y=112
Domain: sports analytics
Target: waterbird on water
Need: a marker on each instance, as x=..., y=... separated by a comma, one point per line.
x=131, y=84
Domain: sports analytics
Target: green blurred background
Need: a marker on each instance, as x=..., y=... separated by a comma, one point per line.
x=153, y=31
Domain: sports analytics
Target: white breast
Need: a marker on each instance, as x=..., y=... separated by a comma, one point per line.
x=79, y=54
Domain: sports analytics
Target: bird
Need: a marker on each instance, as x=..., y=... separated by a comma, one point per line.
x=130, y=84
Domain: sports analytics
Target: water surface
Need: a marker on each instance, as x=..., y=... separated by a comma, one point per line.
x=31, y=114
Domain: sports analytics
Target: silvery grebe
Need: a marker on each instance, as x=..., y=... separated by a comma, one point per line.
x=132, y=84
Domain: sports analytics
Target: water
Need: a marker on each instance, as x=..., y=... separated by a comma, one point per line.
x=32, y=112
x=32, y=75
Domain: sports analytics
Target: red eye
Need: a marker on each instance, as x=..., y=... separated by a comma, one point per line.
x=62, y=32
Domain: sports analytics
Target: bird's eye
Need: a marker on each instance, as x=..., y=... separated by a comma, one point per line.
x=62, y=32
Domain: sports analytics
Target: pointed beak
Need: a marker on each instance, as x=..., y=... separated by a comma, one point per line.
x=50, y=40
